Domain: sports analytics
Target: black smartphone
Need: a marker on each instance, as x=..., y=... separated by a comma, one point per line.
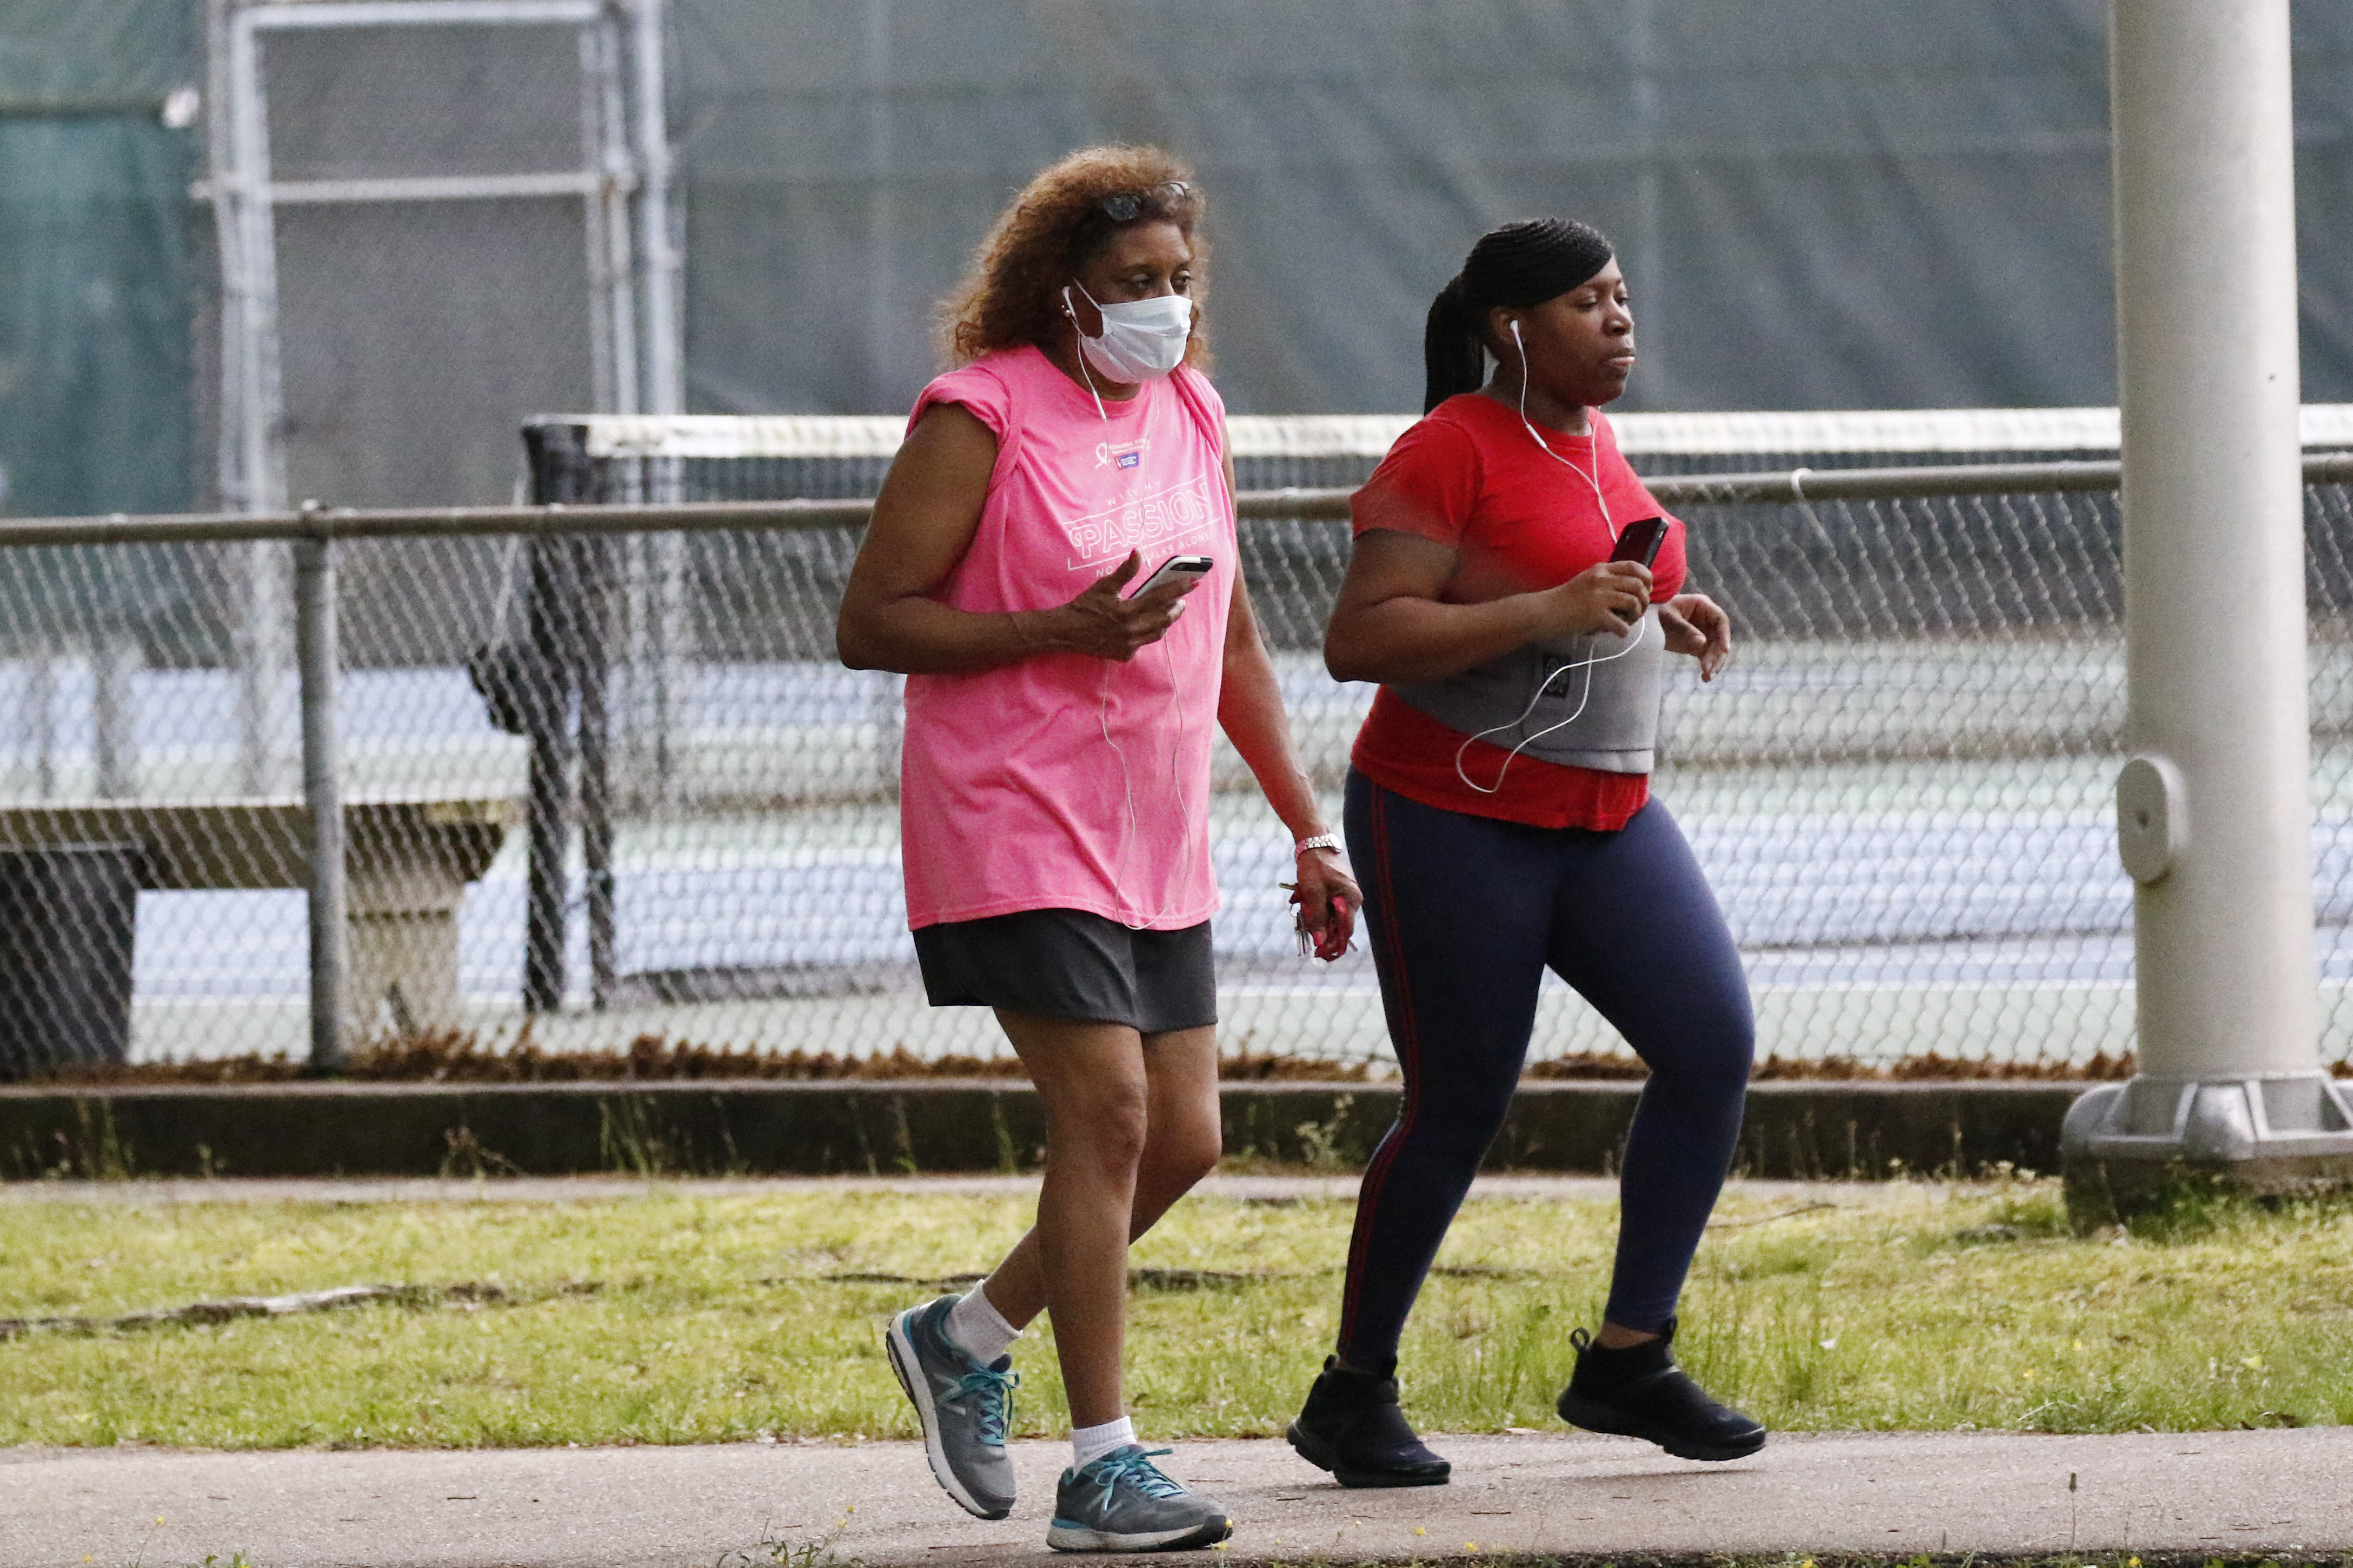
x=1641, y=540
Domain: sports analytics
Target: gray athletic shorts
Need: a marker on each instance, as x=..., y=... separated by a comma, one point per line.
x=1066, y=963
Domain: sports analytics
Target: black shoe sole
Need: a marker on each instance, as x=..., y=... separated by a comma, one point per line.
x=1594, y=1416
x=1320, y=1455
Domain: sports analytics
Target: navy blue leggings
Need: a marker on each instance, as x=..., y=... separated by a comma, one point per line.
x=1465, y=914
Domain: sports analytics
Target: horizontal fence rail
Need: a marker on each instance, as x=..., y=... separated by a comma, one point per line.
x=557, y=518
x=599, y=775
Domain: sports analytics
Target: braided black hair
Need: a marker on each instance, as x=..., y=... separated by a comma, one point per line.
x=1522, y=263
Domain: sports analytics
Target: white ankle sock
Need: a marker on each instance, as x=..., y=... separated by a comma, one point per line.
x=1089, y=1444
x=980, y=1328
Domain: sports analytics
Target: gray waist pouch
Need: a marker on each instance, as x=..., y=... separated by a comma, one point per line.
x=1615, y=730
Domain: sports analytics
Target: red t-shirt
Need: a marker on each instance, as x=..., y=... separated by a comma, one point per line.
x=1468, y=476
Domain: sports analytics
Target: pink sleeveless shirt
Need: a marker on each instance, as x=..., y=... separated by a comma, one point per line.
x=1067, y=781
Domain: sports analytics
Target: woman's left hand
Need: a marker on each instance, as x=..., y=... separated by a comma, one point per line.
x=1698, y=626
x=1327, y=900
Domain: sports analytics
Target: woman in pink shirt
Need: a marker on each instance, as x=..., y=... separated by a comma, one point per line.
x=1054, y=798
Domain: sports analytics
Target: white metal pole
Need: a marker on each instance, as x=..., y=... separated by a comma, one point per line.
x=658, y=241
x=2213, y=510
x=264, y=634
x=229, y=220
x=604, y=155
x=2214, y=810
x=664, y=643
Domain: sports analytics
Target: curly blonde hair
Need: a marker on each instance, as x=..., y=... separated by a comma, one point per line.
x=1012, y=294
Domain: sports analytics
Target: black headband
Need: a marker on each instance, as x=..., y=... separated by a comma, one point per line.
x=1522, y=263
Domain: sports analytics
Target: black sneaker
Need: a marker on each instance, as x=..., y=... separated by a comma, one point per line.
x=1351, y=1425
x=1639, y=1391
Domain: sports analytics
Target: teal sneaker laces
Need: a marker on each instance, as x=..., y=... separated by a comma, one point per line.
x=993, y=1390
x=1136, y=1464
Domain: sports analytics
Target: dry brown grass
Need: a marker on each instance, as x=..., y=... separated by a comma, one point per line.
x=461, y=1056
x=1929, y=1068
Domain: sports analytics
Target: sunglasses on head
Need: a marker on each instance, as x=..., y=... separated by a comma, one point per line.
x=1126, y=206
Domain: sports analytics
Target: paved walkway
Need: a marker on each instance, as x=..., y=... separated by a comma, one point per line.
x=2202, y=1494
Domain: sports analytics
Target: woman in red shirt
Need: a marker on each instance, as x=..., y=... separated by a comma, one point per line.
x=1499, y=809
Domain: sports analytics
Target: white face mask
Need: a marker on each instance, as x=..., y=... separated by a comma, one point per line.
x=1142, y=339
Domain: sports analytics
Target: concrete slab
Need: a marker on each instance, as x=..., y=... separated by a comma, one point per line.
x=2208, y=1494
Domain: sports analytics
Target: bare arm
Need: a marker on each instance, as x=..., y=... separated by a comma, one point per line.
x=1390, y=625
x=1250, y=709
x=923, y=523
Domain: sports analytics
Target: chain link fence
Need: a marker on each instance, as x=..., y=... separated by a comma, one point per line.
x=609, y=785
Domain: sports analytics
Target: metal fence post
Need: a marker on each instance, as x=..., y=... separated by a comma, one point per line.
x=114, y=657
x=317, y=658
x=594, y=574
x=558, y=474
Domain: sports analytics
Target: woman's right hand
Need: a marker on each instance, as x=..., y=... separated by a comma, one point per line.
x=1609, y=597
x=1102, y=623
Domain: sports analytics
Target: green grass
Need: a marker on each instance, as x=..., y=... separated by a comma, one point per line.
x=674, y=1318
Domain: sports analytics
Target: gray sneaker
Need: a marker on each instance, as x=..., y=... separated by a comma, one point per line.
x=965, y=1407
x=1122, y=1504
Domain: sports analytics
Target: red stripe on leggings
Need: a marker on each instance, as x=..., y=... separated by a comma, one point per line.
x=1408, y=1039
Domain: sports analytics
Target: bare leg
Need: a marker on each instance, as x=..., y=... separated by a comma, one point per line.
x=1612, y=1337
x=1132, y=1123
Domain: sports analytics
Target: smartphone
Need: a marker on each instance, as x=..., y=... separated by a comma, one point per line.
x=1641, y=540
x=1176, y=568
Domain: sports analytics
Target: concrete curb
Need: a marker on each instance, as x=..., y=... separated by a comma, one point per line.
x=1796, y=1130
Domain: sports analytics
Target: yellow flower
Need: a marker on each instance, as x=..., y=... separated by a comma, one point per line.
x=1418, y=1531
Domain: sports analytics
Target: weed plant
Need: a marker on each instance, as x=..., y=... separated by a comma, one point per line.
x=673, y=1318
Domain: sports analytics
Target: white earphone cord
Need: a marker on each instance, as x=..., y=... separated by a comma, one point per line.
x=1593, y=479
x=1128, y=788
x=1103, y=714
x=1080, y=351
x=1586, y=664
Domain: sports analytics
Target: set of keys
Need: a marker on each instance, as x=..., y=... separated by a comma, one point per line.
x=1299, y=921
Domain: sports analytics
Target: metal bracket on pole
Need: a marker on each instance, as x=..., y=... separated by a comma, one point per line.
x=2268, y=1135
